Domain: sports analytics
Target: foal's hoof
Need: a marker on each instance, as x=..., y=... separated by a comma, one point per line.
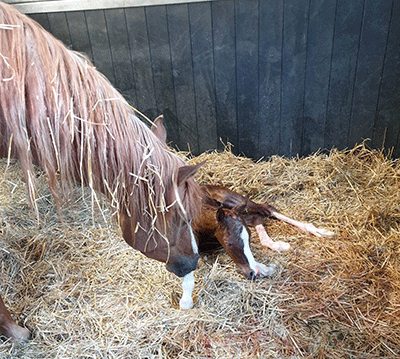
x=265, y=271
x=17, y=334
x=319, y=232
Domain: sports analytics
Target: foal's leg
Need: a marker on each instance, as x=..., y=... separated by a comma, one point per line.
x=186, y=301
x=9, y=329
x=267, y=241
x=305, y=227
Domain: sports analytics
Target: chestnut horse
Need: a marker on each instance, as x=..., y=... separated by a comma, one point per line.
x=224, y=220
x=59, y=113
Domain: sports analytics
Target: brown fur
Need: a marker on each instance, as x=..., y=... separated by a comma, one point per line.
x=60, y=113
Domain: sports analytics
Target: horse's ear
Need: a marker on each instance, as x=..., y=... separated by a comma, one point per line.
x=186, y=172
x=158, y=129
x=240, y=208
x=220, y=214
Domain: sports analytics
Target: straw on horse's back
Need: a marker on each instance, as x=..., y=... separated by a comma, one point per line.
x=58, y=112
x=63, y=114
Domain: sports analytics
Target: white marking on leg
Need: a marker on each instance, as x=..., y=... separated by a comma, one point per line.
x=305, y=227
x=267, y=241
x=186, y=301
x=259, y=269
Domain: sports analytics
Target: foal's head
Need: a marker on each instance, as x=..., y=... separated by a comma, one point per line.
x=234, y=237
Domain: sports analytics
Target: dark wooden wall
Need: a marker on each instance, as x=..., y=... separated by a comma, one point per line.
x=280, y=77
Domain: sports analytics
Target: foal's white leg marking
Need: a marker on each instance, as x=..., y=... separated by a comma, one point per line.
x=258, y=268
x=267, y=241
x=186, y=301
x=305, y=227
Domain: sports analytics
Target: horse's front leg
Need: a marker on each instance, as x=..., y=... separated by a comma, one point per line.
x=186, y=301
x=9, y=328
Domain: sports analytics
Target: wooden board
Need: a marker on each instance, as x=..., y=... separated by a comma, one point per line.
x=319, y=55
x=343, y=68
x=369, y=69
x=79, y=33
x=203, y=71
x=98, y=35
x=139, y=50
x=119, y=44
x=270, y=66
x=183, y=81
x=294, y=54
x=157, y=27
x=223, y=27
x=387, y=126
x=247, y=75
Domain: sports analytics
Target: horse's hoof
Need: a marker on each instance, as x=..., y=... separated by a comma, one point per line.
x=17, y=334
x=186, y=304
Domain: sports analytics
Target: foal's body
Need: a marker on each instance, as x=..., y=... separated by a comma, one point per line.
x=224, y=219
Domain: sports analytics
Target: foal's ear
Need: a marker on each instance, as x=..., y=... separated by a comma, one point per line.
x=158, y=129
x=220, y=214
x=185, y=172
x=240, y=208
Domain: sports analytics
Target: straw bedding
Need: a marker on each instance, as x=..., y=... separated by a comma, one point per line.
x=85, y=294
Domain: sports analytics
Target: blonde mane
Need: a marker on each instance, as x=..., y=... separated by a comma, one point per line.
x=58, y=112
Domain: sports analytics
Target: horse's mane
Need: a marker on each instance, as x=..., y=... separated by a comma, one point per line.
x=58, y=112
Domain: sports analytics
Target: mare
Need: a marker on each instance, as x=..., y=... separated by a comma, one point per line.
x=59, y=113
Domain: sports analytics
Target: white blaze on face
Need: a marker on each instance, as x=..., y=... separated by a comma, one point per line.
x=195, y=248
x=259, y=269
x=247, y=251
x=186, y=301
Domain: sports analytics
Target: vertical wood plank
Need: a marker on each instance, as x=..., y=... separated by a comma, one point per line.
x=59, y=27
x=270, y=65
x=98, y=36
x=388, y=126
x=119, y=46
x=182, y=69
x=157, y=26
x=79, y=33
x=42, y=19
x=223, y=23
x=319, y=54
x=247, y=76
x=343, y=68
x=203, y=69
x=293, y=74
x=369, y=69
x=141, y=62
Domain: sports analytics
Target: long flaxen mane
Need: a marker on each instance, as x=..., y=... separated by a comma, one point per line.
x=58, y=112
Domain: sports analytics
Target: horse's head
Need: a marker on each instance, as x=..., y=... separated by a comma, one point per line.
x=234, y=237
x=160, y=227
